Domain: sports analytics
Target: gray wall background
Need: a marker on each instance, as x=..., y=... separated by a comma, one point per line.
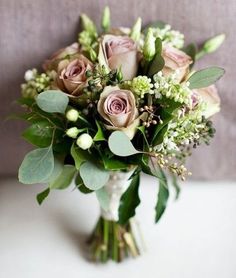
x=30, y=30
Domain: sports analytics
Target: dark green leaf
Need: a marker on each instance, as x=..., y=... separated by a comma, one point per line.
x=158, y=62
x=129, y=201
x=42, y=196
x=78, y=155
x=205, y=77
x=163, y=195
x=39, y=134
x=80, y=185
x=37, y=166
x=176, y=186
x=191, y=50
x=52, y=101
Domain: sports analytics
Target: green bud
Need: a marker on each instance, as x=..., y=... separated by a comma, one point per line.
x=119, y=75
x=214, y=43
x=149, y=46
x=93, y=55
x=72, y=132
x=136, y=30
x=88, y=24
x=72, y=115
x=84, y=141
x=106, y=19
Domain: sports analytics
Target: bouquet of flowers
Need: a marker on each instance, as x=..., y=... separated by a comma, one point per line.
x=110, y=106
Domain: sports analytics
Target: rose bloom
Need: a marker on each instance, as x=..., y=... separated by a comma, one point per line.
x=210, y=96
x=119, y=51
x=118, y=108
x=52, y=63
x=71, y=74
x=176, y=59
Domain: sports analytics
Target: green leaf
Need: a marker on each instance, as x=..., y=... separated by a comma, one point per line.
x=64, y=179
x=39, y=134
x=103, y=198
x=158, y=62
x=42, y=196
x=52, y=101
x=94, y=177
x=163, y=195
x=78, y=155
x=191, y=50
x=113, y=164
x=80, y=185
x=160, y=129
x=176, y=186
x=37, y=166
x=206, y=77
x=129, y=201
x=120, y=144
x=99, y=136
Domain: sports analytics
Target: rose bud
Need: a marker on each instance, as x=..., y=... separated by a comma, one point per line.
x=118, y=108
x=176, y=61
x=119, y=52
x=72, y=132
x=72, y=115
x=52, y=63
x=210, y=96
x=71, y=74
x=84, y=141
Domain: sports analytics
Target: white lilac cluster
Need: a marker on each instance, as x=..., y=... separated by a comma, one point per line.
x=170, y=87
x=169, y=36
x=141, y=85
x=183, y=130
x=35, y=83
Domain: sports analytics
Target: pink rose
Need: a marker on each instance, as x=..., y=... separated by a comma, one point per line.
x=118, y=108
x=52, y=63
x=119, y=51
x=175, y=59
x=210, y=96
x=71, y=74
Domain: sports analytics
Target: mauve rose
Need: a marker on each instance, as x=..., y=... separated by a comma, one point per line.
x=176, y=59
x=52, y=63
x=119, y=51
x=118, y=108
x=210, y=96
x=71, y=74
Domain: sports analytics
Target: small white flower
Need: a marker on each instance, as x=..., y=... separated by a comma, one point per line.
x=84, y=141
x=72, y=132
x=29, y=75
x=72, y=115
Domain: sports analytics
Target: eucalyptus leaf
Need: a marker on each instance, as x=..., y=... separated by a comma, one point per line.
x=39, y=134
x=37, y=166
x=52, y=101
x=78, y=155
x=42, y=196
x=80, y=185
x=205, y=77
x=64, y=179
x=103, y=198
x=129, y=201
x=163, y=195
x=93, y=176
x=120, y=144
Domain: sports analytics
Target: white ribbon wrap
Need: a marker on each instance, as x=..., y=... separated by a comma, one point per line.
x=115, y=187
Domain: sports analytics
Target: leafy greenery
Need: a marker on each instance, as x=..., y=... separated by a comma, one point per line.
x=163, y=195
x=205, y=77
x=120, y=144
x=37, y=166
x=64, y=179
x=103, y=198
x=129, y=201
x=43, y=195
x=52, y=101
x=158, y=62
x=93, y=176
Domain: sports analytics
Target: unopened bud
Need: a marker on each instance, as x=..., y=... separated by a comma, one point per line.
x=213, y=44
x=149, y=48
x=72, y=115
x=84, y=141
x=106, y=19
x=136, y=30
x=88, y=24
x=72, y=132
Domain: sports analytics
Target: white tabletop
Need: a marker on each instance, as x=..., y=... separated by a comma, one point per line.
x=196, y=238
